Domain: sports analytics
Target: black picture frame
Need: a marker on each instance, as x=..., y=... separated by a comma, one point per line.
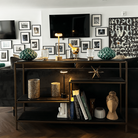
x=63, y=51
x=24, y=25
x=6, y=44
x=76, y=40
x=34, y=44
x=17, y=48
x=97, y=44
x=25, y=37
x=4, y=55
x=50, y=47
x=36, y=30
x=96, y=20
x=84, y=46
x=101, y=31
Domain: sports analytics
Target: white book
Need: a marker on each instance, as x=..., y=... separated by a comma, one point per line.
x=81, y=104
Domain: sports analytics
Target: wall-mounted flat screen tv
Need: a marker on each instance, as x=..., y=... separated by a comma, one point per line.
x=7, y=29
x=70, y=25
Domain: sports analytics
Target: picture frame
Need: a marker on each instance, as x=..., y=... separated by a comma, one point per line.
x=6, y=44
x=36, y=30
x=96, y=20
x=97, y=44
x=51, y=49
x=17, y=48
x=4, y=56
x=25, y=37
x=101, y=31
x=61, y=47
x=74, y=41
x=34, y=44
x=68, y=52
x=84, y=46
x=24, y=25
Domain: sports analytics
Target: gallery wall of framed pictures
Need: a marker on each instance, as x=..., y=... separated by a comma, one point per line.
x=27, y=39
x=29, y=35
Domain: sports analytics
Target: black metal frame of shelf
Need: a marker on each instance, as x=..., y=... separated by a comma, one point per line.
x=119, y=81
x=43, y=65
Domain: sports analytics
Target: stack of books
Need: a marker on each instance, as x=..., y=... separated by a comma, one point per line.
x=81, y=106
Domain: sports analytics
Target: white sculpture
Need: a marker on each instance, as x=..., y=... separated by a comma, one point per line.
x=62, y=111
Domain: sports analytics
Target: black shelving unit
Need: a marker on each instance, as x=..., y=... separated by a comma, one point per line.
x=51, y=116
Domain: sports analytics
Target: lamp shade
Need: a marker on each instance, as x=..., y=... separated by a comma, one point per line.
x=58, y=34
x=63, y=72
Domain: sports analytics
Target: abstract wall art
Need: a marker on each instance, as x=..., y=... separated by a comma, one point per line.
x=123, y=36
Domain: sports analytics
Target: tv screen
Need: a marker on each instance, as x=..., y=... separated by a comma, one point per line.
x=73, y=25
x=7, y=29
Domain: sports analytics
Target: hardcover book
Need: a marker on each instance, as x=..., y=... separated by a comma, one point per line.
x=84, y=101
x=76, y=107
x=81, y=104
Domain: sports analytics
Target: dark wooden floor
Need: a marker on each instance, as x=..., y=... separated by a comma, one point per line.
x=40, y=130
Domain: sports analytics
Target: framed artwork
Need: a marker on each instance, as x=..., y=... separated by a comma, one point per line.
x=123, y=38
x=24, y=25
x=74, y=41
x=97, y=44
x=17, y=48
x=6, y=44
x=101, y=31
x=34, y=44
x=25, y=37
x=84, y=46
x=68, y=52
x=96, y=20
x=4, y=55
x=61, y=48
x=51, y=49
x=36, y=30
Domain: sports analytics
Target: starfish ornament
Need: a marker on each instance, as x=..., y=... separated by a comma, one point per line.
x=96, y=72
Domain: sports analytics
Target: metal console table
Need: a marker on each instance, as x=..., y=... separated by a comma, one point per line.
x=26, y=116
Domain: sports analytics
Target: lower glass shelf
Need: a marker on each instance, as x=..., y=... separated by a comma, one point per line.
x=51, y=117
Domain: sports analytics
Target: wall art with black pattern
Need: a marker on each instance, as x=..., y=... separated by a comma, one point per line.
x=123, y=36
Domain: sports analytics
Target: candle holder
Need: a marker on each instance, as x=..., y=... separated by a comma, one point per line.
x=90, y=54
x=55, y=89
x=45, y=54
x=33, y=88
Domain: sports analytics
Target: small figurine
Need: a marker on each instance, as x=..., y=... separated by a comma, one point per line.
x=62, y=111
x=75, y=50
x=112, y=103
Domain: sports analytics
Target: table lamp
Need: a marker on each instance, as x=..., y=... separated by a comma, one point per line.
x=58, y=35
x=63, y=94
